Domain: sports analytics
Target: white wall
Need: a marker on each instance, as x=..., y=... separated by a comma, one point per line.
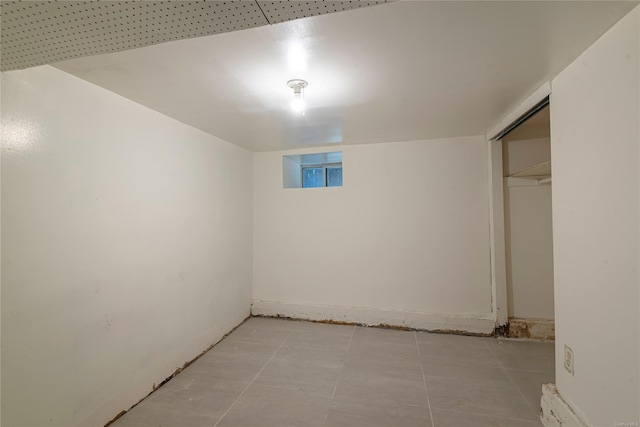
x=530, y=252
x=292, y=178
x=595, y=110
x=520, y=154
x=405, y=241
x=126, y=248
x=528, y=232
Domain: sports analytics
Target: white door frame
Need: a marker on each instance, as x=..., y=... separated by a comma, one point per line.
x=497, y=235
x=496, y=205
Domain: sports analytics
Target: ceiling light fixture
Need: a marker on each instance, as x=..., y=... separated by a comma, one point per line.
x=298, y=94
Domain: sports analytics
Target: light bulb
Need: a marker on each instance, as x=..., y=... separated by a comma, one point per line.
x=297, y=103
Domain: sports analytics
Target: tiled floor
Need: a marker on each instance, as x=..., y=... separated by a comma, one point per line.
x=275, y=372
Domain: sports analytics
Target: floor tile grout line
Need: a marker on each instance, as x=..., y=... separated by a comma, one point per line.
x=517, y=377
x=530, y=371
x=424, y=379
x=251, y=342
x=335, y=387
x=506, y=371
x=485, y=415
x=253, y=379
x=522, y=394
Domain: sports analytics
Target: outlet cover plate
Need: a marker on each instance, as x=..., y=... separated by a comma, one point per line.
x=568, y=359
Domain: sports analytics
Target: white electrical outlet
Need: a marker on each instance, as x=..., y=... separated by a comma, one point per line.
x=568, y=359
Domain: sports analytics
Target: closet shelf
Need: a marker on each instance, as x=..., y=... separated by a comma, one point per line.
x=542, y=170
x=539, y=174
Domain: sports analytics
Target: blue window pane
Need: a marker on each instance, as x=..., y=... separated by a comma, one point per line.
x=312, y=177
x=334, y=177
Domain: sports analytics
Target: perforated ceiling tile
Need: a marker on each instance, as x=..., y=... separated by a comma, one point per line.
x=281, y=11
x=42, y=32
x=35, y=33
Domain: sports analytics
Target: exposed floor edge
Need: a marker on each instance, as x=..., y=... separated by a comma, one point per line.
x=176, y=372
x=556, y=412
x=379, y=326
x=536, y=329
x=361, y=316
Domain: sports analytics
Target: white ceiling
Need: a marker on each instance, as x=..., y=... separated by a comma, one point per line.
x=394, y=72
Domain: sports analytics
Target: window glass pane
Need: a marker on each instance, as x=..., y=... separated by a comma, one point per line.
x=312, y=177
x=334, y=177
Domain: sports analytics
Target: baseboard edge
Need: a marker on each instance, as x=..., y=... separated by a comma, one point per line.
x=474, y=325
x=556, y=412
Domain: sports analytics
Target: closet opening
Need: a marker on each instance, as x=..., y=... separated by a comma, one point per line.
x=528, y=231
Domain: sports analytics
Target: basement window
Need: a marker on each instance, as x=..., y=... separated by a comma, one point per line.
x=312, y=170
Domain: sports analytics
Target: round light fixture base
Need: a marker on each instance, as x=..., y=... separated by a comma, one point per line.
x=297, y=85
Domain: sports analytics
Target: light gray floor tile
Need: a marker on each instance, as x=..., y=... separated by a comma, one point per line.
x=324, y=336
x=231, y=364
x=459, y=369
x=350, y=414
x=380, y=391
x=380, y=383
x=325, y=328
x=362, y=368
x=383, y=346
x=277, y=372
x=265, y=406
x=524, y=355
x=302, y=368
x=383, y=337
x=399, y=356
x=496, y=399
x=459, y=348
x=465, y=340
x=196, y=381
x=263, y=330
x=177, y=407
x=461, y=419
x=530, y=385
x=309, y=356
x=245, y=350
x=270, y=323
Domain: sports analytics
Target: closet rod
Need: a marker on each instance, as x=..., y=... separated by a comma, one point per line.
x=543, y=180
